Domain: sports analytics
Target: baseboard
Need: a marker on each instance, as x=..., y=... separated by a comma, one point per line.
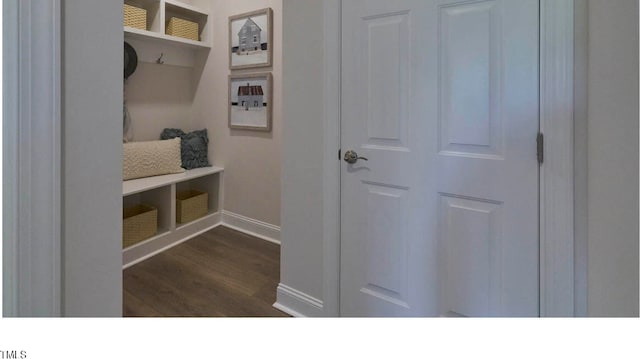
x=297, y=303
x=252, y=227
x=139, y=252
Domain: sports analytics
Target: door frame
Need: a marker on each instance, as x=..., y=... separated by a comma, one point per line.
x=556, y=220
x=32, y=144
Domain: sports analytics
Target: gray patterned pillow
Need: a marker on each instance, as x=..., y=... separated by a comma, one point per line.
x=170, y=133
x=194, y=147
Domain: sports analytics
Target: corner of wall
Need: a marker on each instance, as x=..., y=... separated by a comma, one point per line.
x=301, y=287
x=252, y=160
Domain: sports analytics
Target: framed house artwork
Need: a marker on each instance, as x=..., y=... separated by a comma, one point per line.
x=250, y=39
x=250, y=101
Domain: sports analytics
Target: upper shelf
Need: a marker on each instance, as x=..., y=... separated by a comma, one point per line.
x=186, y=9
x=163, y=38
x=158, y=14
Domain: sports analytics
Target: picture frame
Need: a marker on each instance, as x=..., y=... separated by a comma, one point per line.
x=250, y=101
x=251, y=39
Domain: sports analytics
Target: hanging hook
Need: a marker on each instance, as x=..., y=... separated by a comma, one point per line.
x=159, y=60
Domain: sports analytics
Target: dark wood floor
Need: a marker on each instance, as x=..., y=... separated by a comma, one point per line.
x=222, y=273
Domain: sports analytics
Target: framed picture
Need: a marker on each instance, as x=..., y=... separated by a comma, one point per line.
x=250, y=101
x=250, y=39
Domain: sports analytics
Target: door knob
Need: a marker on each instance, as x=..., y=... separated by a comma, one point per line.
x=352, y=157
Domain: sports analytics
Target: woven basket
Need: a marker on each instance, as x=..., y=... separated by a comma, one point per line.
x=190, y=205
x=135, y=17
x=183, y=28
x=138, y=223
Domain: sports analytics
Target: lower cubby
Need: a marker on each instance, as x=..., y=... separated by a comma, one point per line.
x=161, y=193
x=206, y=184
x=139, y=223
x=160, y=198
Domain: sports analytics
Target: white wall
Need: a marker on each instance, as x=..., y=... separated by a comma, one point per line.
x=613, y=158
x=302, y=149
x=92, y=158
x=158, y=97
x=251, y=159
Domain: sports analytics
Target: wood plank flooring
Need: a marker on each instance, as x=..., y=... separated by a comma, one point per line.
x=221, y=273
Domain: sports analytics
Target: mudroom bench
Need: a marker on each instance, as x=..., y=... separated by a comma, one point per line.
x=160, y=192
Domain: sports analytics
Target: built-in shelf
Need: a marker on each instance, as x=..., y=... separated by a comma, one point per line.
x=187, y=12
x=163, y=39
x=144, y=184
x=153, y=41
x=184, y=9
x=160, y=192
x=151, y=44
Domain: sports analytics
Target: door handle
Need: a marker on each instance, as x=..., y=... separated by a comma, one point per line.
x=352, y=157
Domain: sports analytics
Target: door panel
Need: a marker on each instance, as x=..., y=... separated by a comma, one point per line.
x=470, y=117
x=471, y=230
x=441, y=97
x=387, y=64
x=386, y=251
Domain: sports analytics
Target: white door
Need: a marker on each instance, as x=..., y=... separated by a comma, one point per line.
x=441, y=97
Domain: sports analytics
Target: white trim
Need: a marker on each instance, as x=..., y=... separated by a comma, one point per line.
x=331, y=170
x=288, y=310
x=297, y=303
x=556, y=173
x=252, y=227
x=580, y=145
x=11, y=102
x=33, y=153
x=556, y=176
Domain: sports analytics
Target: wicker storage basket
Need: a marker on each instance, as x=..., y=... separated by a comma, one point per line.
x=183, y=28
x=138, y=223
x=191, y=205
x=135, y=17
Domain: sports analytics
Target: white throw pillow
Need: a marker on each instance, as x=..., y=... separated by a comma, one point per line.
x=151, y=158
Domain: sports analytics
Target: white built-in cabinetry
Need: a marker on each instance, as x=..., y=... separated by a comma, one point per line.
x=159, y=12
x=154, y=41
x=160, y=192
